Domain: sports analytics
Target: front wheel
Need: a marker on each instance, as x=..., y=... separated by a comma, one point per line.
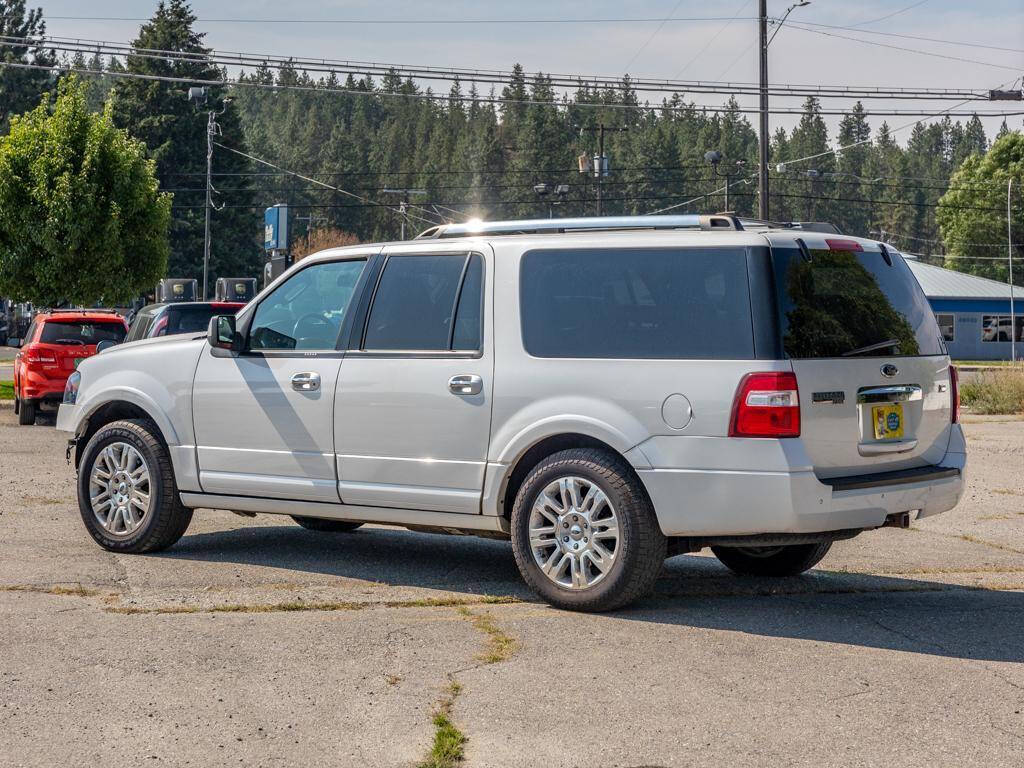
x=126, y=491
x=788, y=560
x=326, y=526
x=584, y=533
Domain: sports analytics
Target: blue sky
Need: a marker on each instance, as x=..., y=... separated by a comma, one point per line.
x=713, y=50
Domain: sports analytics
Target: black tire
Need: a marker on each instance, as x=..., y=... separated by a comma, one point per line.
x=26, y=412
x=640, y=549
x=166, y=519
x=789, y=560
x=325, y=526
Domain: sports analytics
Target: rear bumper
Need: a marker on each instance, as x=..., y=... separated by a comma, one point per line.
x=36, y=386
x=703, y=502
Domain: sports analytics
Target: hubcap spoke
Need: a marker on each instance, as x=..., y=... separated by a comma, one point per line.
x=573, y=532
x=119, y=491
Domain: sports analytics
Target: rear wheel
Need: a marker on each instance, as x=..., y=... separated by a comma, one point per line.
x=126, y=491
x=584, y=533
x=789, y=560
x=327, y=526
x=26, y=412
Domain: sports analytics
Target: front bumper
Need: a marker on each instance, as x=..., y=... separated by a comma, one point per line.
x=68, y=417
x=703, y=502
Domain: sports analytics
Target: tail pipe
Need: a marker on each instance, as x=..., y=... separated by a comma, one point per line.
x=897, y=520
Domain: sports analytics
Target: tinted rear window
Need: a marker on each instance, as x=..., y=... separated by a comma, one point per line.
x=840, y=303
x=78, y=333
x=637, y=303
x=189, y=319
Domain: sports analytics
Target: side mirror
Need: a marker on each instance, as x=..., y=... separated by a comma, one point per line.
x=221, y=334
x=105, y=344
x=14, y=341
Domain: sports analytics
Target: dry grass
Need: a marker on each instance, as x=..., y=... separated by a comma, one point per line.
x=74, y=590
x=998, y=391
x=316, y=605
x=500, y=645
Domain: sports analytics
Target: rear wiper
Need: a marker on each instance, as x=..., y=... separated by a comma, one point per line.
x=872, y=347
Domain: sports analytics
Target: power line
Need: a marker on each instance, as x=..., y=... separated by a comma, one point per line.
x=414, y=22
x=890, y=15
x=485, y=100
x=709, y=41
x=489, y=76
x=650, y=39
x=961, y=43
x=321, y=183
x=902, y=49
x=971, y=245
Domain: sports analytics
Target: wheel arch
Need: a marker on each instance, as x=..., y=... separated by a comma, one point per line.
x=534, y=454
x=113, y=410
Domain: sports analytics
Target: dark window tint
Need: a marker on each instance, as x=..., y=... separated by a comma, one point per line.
x=306, y=311
x=86, y=332
x=845, y=303
x=637, y=303
x=467, y=317
x=141, y=324
x=194, y=319
x=414, y=303
x=946, y=326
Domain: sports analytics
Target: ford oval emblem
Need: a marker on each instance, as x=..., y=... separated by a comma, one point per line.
x=889, y=370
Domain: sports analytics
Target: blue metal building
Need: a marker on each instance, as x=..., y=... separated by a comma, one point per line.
x=973, y=312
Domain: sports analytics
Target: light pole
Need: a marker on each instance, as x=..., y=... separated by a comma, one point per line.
x=715, y=158
x=762, y=169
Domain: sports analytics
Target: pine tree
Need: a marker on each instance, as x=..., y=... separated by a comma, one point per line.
x=160, y=114
x=20, y=89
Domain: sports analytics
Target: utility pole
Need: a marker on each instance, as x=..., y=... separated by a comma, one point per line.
x=762, y=149
x=210, y=127
x=600, y=165
x=403, y=204
x=762, y=160
x=199, y=95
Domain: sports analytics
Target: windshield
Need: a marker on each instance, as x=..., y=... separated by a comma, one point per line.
x=86, y=332
x=851, y=303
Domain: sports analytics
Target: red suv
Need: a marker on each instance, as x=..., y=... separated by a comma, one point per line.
x=53, y=346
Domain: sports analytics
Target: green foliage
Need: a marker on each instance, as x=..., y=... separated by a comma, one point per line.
x=974, y=210
x=81, y=214
x=994, y=391
x=174, y=130
x=20, y=88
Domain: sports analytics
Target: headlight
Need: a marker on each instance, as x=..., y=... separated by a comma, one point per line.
x=71, y=388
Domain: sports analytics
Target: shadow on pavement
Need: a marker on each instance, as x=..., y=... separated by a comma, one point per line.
x=883, y=612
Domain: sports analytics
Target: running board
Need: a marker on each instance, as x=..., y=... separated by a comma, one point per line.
x=419, y=518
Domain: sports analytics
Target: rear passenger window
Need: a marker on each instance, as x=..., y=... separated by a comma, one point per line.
x=427, y=303
x=637, y=303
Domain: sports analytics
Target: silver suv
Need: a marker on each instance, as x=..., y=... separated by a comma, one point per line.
x=603, y=392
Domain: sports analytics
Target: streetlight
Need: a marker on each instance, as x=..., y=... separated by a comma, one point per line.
x=714, y=157
x=762, y=169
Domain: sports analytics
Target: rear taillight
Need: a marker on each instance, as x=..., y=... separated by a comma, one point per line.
x=766, y=405
x=37, y=355
x=954, y=395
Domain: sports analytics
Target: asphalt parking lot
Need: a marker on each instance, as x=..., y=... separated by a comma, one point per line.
x=256, y=642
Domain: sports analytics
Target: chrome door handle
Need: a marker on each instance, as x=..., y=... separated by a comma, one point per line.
x=466, y=385
x=306, y=382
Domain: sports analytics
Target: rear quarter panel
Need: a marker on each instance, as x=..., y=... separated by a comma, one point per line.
x=619, y=402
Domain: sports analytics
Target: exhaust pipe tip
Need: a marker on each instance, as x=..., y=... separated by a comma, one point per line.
x=897, y=520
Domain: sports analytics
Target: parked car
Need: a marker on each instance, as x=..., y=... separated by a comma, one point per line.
x=603, y=392
x=55, y=343
x=169, y=319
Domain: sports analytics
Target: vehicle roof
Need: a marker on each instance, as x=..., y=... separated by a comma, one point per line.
x=98, y=315
x=161, y=304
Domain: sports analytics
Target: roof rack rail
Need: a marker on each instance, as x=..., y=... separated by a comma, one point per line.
x=81, y=310
x=804, y=226
x=716, y=222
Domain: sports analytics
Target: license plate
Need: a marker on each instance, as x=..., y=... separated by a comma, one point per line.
x=887, y=421
x=78, y=361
